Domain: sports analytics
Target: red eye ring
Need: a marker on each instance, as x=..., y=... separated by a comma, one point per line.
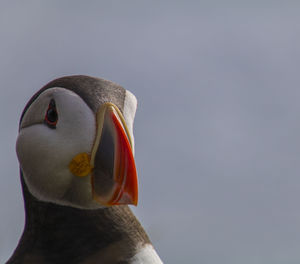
x=51, y=116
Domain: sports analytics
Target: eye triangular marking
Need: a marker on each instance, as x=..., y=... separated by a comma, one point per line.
x=51, y=116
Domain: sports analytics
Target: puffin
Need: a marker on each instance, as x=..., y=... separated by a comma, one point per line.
x=76, y=153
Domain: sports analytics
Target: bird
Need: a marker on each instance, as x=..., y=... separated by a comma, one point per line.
x=78, y=175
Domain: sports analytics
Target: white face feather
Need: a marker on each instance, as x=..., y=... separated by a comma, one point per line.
x=146, y=255
x=44, y=153
x=129, y=110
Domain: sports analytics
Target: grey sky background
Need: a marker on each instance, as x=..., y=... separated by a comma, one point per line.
x=218, y=122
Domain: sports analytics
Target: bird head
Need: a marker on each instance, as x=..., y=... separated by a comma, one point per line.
x=76, y=146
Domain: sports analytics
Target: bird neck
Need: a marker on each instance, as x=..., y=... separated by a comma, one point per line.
x=69, y=233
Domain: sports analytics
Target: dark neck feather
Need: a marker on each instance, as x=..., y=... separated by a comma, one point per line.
x=61, y=234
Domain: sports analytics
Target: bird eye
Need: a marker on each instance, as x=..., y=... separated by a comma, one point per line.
x=51, y=116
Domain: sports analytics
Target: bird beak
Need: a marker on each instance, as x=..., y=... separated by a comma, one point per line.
x=114, y=176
